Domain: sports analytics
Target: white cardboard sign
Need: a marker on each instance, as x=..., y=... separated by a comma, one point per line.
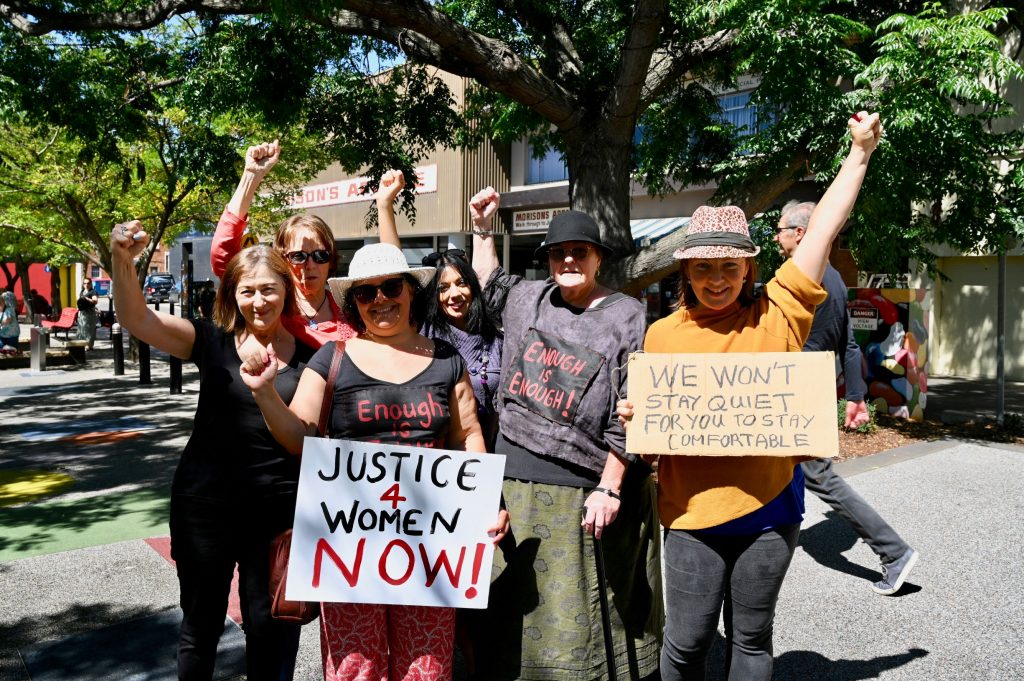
x=396, y=525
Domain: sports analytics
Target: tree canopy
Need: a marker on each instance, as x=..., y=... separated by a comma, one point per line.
x=625, y=90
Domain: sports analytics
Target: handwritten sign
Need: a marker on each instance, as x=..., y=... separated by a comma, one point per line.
x=550, y=375
x=385, y=524
x=733, y=404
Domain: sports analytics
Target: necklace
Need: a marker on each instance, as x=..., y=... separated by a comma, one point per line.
x=311, y=318
x=416, y=347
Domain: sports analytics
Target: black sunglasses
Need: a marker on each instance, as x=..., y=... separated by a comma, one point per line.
x=320, y=256
x=577, y=252
x=431, y=259
x=778, y=229
x=367, y=293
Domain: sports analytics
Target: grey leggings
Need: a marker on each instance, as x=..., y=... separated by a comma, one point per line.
x=704, y=572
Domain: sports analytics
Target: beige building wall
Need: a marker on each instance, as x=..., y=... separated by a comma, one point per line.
x=459, y=175
x=963, y=325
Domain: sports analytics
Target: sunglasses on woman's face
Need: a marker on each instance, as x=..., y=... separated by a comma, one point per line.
x=367, y=293
x=432, y=259
x=319, y=256
x=577, y=252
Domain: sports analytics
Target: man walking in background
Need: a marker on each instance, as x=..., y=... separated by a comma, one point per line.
x=831, y=330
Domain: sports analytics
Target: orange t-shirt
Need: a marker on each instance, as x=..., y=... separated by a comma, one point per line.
x=697, y=492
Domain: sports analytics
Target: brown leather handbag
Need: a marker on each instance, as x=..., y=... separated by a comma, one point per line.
x=299, y=612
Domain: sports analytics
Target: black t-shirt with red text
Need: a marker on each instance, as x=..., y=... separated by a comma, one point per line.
x=415, y=413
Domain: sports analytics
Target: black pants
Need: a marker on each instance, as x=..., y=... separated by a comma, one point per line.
x=207, y=539
x=706, y=573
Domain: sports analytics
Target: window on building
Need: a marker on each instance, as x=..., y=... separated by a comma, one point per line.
x=549, y=168
x=737, y=110
x=94, y=271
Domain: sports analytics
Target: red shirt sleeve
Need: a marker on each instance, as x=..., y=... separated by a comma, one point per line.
x=227, y=240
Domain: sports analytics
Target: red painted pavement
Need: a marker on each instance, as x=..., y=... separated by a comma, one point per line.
x=162, y=545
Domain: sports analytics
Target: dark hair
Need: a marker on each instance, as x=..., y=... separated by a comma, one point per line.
x=313, y=224
x=479, y=321
x=688, y=299
x=416, y=308
x=225, y=309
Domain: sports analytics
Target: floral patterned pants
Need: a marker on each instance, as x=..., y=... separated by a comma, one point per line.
x=363, y=642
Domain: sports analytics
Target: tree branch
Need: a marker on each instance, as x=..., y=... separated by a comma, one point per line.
x=35, y=19
x=759, y=191
x=435, y=38
x=550, y=31
x=153, y=87
x=645, y=267
x=670, y=63
x=623, y=106
x=42, y=236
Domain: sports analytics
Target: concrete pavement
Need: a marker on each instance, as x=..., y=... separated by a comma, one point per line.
x=92, y=555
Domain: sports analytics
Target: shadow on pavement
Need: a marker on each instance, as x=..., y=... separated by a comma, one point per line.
x=103, y=642
x=38, y=523
x=115, y=480
x=147, y=459
x=826, y=542
x=807, y=664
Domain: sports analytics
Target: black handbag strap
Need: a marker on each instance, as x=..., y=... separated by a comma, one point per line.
x=328, y=401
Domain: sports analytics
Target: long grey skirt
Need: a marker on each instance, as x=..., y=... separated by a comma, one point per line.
x=543, y=621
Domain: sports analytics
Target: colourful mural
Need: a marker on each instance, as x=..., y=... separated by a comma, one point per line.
x=891, y=327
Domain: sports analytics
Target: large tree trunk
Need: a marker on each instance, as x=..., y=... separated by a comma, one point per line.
x=600, y=169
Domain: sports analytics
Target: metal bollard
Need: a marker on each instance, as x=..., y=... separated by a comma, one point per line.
x=156, y=305
x=38, y=337
x=117, y=341
x=175, y=376
x=144, y=364
x=171, y=303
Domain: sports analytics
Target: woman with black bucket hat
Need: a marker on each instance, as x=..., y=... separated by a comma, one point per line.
x=567, y=340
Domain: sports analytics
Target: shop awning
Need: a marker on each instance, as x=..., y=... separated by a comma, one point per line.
x=646, y=232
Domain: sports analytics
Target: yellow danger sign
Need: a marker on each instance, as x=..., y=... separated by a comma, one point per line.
x=249, y=239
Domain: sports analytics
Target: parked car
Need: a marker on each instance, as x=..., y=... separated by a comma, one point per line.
x=158, y=287
x=102, y=286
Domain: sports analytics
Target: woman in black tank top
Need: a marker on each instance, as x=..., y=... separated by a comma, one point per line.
x=394, y=386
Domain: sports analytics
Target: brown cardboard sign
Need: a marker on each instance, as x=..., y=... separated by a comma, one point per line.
x=733, y=404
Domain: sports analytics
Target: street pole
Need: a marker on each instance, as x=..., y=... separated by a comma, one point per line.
x=1001, y=339
x=144, y=378
x=117, y=341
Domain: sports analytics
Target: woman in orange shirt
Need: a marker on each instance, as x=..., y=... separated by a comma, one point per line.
x=731, y=524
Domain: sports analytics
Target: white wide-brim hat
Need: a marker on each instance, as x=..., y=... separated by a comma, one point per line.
x=376, y=260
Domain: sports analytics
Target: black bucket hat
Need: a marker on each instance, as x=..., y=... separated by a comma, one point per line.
x=572, y=225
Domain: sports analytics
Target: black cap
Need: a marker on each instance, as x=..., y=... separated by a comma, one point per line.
x=572, y=225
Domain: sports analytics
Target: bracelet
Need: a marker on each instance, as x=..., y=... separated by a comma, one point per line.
x=483, y=232
x=604, y=490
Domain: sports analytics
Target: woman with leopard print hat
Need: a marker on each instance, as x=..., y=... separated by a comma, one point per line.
x=732, y=522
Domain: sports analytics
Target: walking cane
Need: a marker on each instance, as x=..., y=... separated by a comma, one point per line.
x=606, y=616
